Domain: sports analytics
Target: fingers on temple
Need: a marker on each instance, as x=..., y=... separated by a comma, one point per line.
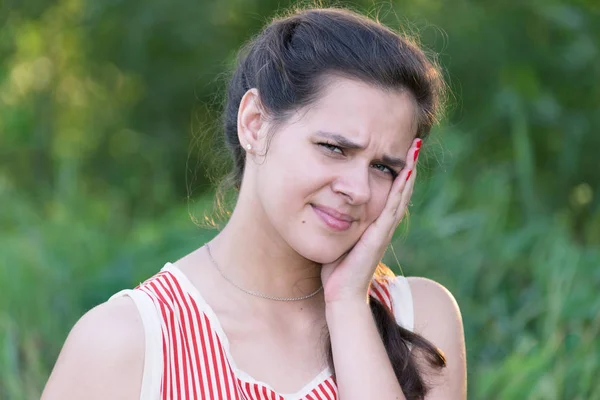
x=402, y=188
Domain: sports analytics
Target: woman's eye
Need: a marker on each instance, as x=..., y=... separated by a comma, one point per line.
x=385, y=169
x=331, y=147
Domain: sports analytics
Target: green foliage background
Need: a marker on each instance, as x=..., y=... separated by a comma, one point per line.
x=102, y=109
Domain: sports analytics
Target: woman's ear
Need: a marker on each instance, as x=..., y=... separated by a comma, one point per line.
x=250, y=121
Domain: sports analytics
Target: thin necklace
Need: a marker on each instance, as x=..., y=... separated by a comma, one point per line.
x=253, y=293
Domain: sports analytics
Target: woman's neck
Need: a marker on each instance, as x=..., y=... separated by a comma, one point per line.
x=251, y=253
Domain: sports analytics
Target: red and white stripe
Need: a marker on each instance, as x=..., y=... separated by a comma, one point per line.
x=195, y=364
x=380, y=290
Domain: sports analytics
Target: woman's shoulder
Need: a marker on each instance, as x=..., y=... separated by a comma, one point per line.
x=103, y=355
x=434, y=306
x=433, y=292
x=437, y=318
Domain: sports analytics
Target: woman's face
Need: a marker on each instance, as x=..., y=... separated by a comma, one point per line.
x=328, y=170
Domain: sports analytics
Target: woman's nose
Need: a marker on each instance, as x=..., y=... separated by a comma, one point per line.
x=354, y=184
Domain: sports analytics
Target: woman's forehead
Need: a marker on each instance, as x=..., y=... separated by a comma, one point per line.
x=364, y=112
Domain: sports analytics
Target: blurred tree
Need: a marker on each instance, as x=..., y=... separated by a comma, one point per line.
x=109, y=115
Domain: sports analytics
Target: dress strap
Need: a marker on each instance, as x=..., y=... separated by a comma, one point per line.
x=402, y=302
x=153, y=359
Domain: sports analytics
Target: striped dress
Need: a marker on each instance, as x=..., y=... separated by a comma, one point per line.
x=187, y=352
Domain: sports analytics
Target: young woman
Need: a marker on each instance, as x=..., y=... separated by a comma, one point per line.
x=325, y=116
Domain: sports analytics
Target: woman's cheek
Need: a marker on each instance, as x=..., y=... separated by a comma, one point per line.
x=378, y=204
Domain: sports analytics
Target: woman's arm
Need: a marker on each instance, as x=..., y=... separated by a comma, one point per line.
x=103, y=356
x=363, y=369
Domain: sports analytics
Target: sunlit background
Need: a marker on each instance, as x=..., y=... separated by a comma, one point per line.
x=109, y=131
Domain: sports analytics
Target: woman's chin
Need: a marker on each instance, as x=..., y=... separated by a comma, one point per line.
x=323, y=254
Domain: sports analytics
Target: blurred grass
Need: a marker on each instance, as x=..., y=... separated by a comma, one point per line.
x=60, y=262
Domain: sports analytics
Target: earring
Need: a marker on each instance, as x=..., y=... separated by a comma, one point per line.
x=249, y=146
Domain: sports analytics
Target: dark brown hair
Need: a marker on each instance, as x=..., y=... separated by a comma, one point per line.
x=288, y=62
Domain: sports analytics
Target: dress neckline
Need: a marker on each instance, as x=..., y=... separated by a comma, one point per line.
x=191, y=289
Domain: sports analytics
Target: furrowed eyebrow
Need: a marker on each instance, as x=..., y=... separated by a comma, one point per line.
x=348, y=144
x=393, y=162
x=341, y=140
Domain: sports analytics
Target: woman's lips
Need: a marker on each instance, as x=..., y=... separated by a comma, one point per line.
x=332, y=222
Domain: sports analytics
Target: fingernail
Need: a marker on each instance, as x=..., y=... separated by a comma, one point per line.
x=419, y=141
x=408, y=174
x=417, y=153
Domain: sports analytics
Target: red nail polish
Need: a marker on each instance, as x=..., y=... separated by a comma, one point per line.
x=408, y=174
x=417, y=154
x=419, y=142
